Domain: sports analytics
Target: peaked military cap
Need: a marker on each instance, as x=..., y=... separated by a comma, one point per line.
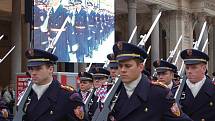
x=38, y=57
x=85, y=76
x=125, y=51
x=113, y=62
x=162, y=65
x=193, y=56
x=100, y=72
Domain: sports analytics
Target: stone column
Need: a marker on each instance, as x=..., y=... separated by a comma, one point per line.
x=155, y=36
x=180, y=24
x=211, y=47
x=16, y=60
x=132, y=6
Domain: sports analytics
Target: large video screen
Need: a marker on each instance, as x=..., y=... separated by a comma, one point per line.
x=74, y=30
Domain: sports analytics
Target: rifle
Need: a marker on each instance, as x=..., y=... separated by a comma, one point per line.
x=87, y=101
x=176, y=59
x=132, y=34
x=172, y=53
x=51, y=46
x=148, y=51
x=19, y=115
x=182, y=72
x=102, y=115
x=1, y=60
x=1, y=36
x=152, y=27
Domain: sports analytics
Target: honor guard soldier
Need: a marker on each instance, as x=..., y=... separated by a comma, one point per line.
x=101, y=86
x=100, y=78
x=56, y=19
x=165, y=74
x=48, y=100
x=86, y=84
x=80, y=31
x=113, y=66
x=198, y=96
x=140, y=100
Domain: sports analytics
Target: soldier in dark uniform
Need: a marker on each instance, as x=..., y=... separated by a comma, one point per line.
x=57, y=17
x=98, y=27
x=86, y=84
x=100, y=81
x=87, y=90
x=48, y=100
x=113, y=66
x=40, y=38
x=80, y=31
x=198, y=96
x=101, y=85
x=91, y=19
x=140, y=100
x=73, y=43
x=165, y=74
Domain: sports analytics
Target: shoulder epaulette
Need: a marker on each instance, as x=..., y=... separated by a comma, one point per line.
x=158, y=83
x=67, y=87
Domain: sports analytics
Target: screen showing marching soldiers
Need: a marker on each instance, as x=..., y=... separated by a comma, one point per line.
x=74, y=30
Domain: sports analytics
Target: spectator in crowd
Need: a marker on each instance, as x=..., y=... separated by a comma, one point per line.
x=9, y=97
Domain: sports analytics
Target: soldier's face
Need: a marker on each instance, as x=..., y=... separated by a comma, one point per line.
x=113, y=72
x=165, y=77
x=85, y=85
x=41, y=74
x=195, y=72
x=130, y=70
x=99, y=81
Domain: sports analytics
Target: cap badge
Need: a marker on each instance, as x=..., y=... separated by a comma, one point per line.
x=31, y=52
x=158, y=62
x=120, y=45
x=97, y=70
x=112, y=56
x=189, y=52
x=82, y=73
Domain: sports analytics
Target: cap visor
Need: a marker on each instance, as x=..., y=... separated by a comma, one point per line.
x=35, y=63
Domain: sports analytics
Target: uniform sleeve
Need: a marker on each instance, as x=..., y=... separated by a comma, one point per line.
x=172, y=110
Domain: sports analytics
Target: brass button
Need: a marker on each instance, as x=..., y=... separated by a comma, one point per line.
x=146, y=109
x=211, y=104
x=202, y=119
x=51, y=112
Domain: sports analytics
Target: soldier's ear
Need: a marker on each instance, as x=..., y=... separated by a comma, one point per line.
x=51, y=68
x=141, y=67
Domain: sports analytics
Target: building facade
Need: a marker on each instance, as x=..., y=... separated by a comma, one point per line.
x=179, y=17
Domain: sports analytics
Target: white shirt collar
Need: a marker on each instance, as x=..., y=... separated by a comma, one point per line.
x=131, y=86
x=195, y=87
x=40, y=89
x=170, y=85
